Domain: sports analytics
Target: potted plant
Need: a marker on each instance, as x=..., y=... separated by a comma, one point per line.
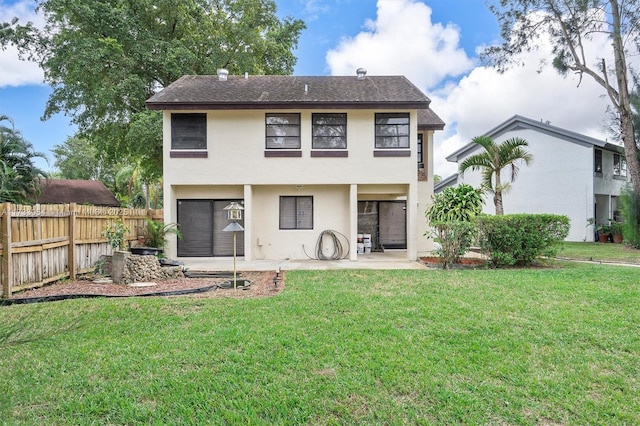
x=616, y=232
x=603, y=233
x=155, y=236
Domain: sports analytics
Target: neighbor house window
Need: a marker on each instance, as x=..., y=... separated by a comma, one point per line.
x=619, y=166
x=392, y=130
x=296, y=212
x=329, y=131
x=597, y=162
x=283, y=131
x=188, y=131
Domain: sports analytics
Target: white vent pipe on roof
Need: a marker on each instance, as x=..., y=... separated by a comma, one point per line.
x=361, y=73
x=222, y=74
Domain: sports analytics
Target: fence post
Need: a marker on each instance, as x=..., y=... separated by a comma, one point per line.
x=7, y=270
x=72, y=241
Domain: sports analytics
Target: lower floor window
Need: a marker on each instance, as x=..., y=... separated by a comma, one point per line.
x=296, y=212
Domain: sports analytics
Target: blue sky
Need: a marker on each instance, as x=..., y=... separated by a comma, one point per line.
x=433, y=42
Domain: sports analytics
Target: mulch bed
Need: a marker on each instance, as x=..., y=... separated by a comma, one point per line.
x=463, y=262
x=262, y=284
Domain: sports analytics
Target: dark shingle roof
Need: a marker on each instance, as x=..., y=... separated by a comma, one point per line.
x=62, y=191
x=429, y=120
x=289, y=92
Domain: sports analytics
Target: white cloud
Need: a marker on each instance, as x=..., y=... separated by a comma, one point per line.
x=403, y=40
x=13, y=70
x=485, y=98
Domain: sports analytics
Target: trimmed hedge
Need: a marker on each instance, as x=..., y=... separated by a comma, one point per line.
x=518, y=239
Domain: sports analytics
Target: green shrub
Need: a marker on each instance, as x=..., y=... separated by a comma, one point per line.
x=455, y=240
x=450, y=217
x=631, y=214
x=518, y=239
x=115, y=232
x=460, y=203
x=155, y=233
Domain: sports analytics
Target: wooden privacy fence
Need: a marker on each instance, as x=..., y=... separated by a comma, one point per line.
x=47, y=242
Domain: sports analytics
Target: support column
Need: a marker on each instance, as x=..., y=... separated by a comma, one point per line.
x=412, y=228
x=353, y=225
x=248, y=233
x=169, y=209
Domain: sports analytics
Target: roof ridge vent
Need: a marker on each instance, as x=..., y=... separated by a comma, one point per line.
x=222, y=74
x=361, y=72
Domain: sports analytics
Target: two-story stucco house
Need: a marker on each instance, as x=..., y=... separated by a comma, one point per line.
x=572, y=174
x=303, y=155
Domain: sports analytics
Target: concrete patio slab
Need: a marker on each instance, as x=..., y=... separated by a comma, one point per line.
x=390, y=259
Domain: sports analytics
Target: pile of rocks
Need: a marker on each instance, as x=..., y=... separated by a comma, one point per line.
x=139, y=268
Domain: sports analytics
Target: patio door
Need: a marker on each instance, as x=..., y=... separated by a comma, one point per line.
x=386, y=221
x=393, y=224
x=201, y=223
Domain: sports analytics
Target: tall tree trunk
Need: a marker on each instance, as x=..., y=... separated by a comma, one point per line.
x=624, y=100
x=497, y=194
x=497, y=200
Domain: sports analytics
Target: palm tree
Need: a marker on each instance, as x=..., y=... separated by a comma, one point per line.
x=19, y=176
x=134, y=189
x=491, y=162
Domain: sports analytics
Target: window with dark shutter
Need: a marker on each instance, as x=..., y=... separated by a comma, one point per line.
x=420, y=152
x=283, y=131
x=329, y=131
x=188, y=131
x=296, y=212
x=392, y=130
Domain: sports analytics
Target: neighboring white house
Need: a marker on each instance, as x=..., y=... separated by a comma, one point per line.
x=303, y=155
x=572, y=174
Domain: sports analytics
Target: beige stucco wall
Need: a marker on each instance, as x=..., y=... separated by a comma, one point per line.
x=236, y=163
x=331, y=211
x=236, y=145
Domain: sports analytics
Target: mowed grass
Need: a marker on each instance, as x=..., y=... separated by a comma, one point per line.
x=602, y=252
x=558, y=345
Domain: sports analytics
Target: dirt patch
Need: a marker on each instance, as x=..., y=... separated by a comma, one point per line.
x=263, y=284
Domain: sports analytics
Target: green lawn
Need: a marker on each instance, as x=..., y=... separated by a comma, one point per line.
x=557, y=345
x=603, y=252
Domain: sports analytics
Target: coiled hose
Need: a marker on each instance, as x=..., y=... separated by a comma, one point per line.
x=338, y=252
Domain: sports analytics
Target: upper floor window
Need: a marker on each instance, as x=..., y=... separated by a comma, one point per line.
x=597, y=161
x=296, y=212
x=619, y=166
x=420, y=148
x=188, y=131
x=329, y=131
x=283, y=131
x=392, y=130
